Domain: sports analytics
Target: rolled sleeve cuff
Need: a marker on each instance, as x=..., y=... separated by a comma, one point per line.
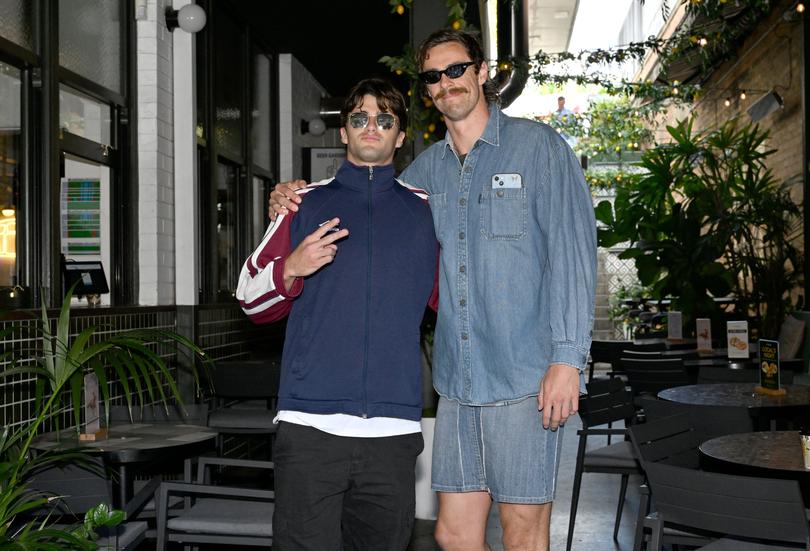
x=570, y=354
x=278, y=281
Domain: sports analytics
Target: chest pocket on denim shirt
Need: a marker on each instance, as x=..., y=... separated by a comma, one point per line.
x=438, y=209
x=503, y=213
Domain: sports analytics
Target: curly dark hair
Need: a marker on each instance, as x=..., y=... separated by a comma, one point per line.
x=470, y=43
x=388, y=98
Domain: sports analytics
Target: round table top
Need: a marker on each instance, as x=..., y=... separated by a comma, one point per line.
x=736, y=394
x=134, y=442
x=775, y=450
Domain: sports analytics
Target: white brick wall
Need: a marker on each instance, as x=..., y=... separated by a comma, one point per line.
x=156, y=216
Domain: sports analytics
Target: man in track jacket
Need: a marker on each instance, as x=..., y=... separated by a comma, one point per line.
x=354, y=269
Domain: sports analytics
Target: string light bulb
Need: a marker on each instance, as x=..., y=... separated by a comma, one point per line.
x=703, y=42
x=742, y=95
x=800, y=7
x=727, y=102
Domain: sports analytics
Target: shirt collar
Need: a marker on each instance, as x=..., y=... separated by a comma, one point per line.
x=491, y=133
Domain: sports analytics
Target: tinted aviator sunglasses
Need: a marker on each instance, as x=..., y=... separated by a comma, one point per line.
x=384, y=121
x=453, y=71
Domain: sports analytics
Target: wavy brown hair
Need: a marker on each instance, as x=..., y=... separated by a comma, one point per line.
x=389, y=99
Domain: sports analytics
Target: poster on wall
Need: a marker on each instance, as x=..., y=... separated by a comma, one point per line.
x=81, y=217
x=321, y=163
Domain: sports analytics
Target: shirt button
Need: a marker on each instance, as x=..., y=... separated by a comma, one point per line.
x=499, y=193
x=462, y=269
x=461, y=235
x=463, y=302
x=464, y=336
x=462, y=201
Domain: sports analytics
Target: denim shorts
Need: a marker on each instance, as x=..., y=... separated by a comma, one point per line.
x=503, y=450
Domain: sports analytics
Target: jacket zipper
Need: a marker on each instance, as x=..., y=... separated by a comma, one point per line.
x=368, y=297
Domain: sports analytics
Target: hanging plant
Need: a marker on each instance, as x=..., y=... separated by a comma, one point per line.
x=423, y=120
x=717, y=29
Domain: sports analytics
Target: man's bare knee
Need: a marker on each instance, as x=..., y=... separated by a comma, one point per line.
x=462, y=521
x=457, y=539
x=525, y=527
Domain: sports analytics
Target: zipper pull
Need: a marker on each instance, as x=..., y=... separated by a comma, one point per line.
x=370, y=173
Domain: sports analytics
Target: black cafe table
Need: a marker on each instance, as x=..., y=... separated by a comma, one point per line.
x=794, y=404
x=769, y=454
x=129, y=446
x=768, y=450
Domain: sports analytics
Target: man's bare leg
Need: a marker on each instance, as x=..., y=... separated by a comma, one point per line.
x=525, y=526
x=462, y=522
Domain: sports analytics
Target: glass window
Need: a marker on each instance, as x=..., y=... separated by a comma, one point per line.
x=260, y=124
x=85, y=214
x=15, y=24
x=228, y=79
x=90, y=40
x=83, y=116
x=259, y=202
x=10, y=150
x=228, y=266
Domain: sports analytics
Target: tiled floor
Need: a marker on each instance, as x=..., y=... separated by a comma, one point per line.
x=595, y=515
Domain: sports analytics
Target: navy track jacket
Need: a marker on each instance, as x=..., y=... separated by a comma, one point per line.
x=352, y=343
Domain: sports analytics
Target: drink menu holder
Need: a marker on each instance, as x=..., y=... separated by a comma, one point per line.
x=737, y=338
x=92, y=428
x=704, y=335
x=769, y=369
x=674, y=326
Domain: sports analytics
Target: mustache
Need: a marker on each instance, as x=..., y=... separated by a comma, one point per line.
x=444, y=92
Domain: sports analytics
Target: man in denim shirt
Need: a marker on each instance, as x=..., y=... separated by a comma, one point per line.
x=515, y=222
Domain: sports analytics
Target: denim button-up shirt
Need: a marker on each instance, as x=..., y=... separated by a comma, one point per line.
x=517, y=231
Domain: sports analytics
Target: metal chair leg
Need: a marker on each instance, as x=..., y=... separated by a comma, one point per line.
x=575, y=493
x=622, y=493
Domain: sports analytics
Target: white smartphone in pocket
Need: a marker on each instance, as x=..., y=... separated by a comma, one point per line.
x=511, y=180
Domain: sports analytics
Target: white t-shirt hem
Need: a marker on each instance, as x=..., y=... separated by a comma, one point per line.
x=340, y=424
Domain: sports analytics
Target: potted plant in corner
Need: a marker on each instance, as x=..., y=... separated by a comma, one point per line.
x=61, y=364
x=707, y=218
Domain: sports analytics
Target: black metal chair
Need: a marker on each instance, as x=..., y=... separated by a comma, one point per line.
x=606, y=352
x=707, y=421
x=649, y=377
x=77, y=488
x=221, y=515
x=607, y=401
x=671, y=440
x=246, y=392
x=744, y=513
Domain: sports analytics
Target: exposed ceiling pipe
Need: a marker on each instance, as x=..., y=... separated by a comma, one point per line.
x=513, y=44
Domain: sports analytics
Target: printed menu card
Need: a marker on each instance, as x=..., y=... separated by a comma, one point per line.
x=737, y=335
x=704, y=334
x=769, y=364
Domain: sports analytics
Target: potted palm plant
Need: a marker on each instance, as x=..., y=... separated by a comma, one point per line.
x=61, y=365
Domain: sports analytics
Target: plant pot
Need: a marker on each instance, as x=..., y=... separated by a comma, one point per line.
x=427, y=504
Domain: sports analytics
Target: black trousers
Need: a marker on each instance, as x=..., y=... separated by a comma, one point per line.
x=343, y=493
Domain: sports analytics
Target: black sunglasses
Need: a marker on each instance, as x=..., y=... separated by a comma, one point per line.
x=453, y=71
